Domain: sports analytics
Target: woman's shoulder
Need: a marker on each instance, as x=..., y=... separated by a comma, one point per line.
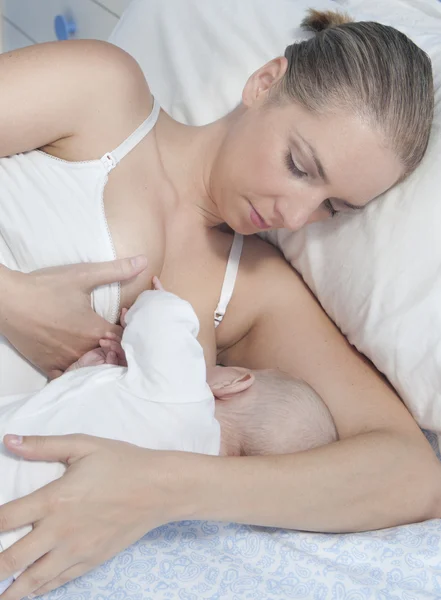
x=107, y=93
x=101, y=65
x=122, y=98
x=118, y=71
x=96, y=53
x=80, y=89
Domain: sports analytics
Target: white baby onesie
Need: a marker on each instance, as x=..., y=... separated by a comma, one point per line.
x=160, y=401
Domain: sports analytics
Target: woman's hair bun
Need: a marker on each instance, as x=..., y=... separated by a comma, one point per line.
x=318, y=20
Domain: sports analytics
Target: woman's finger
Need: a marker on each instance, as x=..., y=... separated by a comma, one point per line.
x=93, y=275
x=106, y=330
x=50, y=567
x=24, y=553
x=61, y=448
x=110, y=335
x=68, y=575
x=54, y=374
x=21, y=512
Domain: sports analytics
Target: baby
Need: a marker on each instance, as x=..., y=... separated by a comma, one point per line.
x=259, y=412
x=268, y=412
x=161, y=400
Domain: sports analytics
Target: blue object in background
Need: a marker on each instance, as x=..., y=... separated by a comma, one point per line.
x=65, y=28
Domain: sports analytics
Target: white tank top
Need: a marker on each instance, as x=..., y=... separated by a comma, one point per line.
x=52, y=213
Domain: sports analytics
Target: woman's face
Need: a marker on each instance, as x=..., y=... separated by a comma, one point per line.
x=282, y=166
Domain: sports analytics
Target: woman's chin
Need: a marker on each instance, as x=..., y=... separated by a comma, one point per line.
x=237, y=227
x=242, y=224
x=245, y=230
x=240, y=221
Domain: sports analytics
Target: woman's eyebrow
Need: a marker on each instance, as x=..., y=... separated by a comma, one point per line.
x=315, y=158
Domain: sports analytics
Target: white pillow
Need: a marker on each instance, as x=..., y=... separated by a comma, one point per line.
x=197, y=54
x=377, y=274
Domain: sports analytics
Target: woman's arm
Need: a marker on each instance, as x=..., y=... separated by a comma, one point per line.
x=63, y=97
x=57, y=91
x=381, y=473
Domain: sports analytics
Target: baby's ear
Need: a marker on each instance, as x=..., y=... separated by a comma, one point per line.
x=229, y=381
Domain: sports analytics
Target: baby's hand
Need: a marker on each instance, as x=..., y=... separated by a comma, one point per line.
x=157, y=285
x=93, y=358
x=110, y=352
x=115, y=354
x=122, y=318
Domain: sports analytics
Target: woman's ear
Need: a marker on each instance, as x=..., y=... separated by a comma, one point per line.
x=226, y=382
x=262, y=80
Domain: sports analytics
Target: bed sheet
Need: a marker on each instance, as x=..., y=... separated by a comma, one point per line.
x=201, y=560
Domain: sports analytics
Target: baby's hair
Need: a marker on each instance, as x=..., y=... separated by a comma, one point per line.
x=367, y=69
x=285, y=415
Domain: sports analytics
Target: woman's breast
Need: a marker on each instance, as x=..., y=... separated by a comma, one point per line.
x=51, y=213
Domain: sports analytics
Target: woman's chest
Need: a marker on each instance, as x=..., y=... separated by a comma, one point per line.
x=195, y=272
x=190, y=262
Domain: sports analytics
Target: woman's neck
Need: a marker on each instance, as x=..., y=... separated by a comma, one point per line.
x=187, y=154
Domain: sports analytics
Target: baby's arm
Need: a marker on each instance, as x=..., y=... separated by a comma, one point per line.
x=165, y=360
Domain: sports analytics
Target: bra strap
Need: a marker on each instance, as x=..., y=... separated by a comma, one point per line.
x=111, y=159
x=229, y=279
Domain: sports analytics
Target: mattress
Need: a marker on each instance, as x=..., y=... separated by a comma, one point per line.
x=194, y=560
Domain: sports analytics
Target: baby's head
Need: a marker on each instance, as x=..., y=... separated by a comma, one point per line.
x=268, y=412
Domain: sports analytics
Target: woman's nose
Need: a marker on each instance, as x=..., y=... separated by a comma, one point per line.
x=297, y=213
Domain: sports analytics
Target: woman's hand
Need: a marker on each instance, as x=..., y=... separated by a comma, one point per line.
x=47, y=315
x=110, y=496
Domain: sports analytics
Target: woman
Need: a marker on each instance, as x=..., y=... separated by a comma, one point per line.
x=325, y=129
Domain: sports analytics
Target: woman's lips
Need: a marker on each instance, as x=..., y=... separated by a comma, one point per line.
x=257, y=220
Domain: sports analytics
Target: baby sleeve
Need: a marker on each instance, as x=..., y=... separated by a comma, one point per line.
x=165, y=360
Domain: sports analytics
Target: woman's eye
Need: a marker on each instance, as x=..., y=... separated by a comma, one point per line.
x=293, y=167
x=331, y=210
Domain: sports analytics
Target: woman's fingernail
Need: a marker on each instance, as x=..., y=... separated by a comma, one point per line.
x=139, y=261
x=15, y=440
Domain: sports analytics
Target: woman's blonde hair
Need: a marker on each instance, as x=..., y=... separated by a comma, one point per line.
x=367, y=68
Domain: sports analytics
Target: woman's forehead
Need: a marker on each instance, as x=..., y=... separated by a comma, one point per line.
x=351, y=157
